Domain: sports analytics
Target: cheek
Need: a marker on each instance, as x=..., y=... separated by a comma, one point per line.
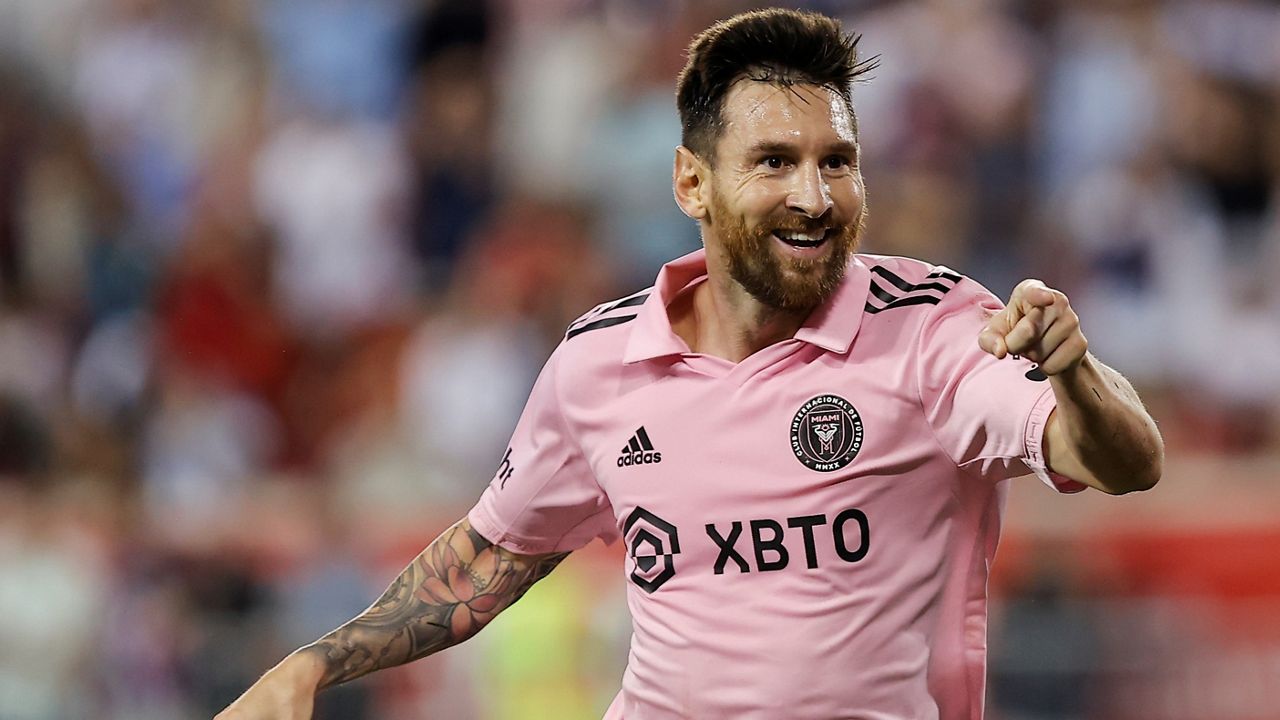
x=761, y=200
x=849, y=197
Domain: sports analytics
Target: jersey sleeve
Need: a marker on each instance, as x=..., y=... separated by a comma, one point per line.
x=988, y=414
x=544, y=497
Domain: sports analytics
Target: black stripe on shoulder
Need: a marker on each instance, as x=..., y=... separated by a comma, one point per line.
x=944, y=281
x=629, y=301
x=907, y=287
x=596, y=325
x=891, y=277
x=903, y=302
x=881, y=293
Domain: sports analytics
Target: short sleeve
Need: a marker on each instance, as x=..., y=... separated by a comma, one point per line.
x=988, y=414
x=544, y=497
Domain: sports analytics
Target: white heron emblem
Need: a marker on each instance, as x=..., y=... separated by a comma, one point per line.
x=825, y=433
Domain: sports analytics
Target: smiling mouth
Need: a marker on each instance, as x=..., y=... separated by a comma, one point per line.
x=802, y=239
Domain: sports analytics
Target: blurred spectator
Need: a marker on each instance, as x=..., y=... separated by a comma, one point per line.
x=337, y=58
x=624, y=162
x=542, y=119
x=136, y=86
x=202, y=445
x=51, y=597
x=1101, y=102
x=448, y=125
x=467, y=372
x=333, y=194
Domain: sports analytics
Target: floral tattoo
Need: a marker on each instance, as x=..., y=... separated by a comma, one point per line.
x=446, y=595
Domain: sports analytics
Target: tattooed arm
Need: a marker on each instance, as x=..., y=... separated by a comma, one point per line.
x=446, y=595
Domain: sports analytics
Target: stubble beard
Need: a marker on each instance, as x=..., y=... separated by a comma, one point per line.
x=790, y=285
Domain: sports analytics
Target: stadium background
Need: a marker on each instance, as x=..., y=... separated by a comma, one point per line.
x=276, y=276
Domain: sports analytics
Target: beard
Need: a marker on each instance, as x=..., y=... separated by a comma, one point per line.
x=784, y=283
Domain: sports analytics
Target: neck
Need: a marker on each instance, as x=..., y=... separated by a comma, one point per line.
x=721, y=318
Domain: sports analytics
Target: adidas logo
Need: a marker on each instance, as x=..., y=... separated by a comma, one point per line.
x=639, y=450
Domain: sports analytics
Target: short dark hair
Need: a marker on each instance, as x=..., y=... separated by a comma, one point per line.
x=785, y=47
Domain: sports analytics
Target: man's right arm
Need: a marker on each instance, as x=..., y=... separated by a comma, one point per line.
x=448, y=593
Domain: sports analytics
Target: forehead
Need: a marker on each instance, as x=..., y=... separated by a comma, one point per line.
x=799, y=114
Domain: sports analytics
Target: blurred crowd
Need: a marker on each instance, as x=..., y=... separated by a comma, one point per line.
x=276, y=277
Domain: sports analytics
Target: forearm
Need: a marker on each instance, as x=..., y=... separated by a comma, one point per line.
x=446, y=595
x=1112, y=443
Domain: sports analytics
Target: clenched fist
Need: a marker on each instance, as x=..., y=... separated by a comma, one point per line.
x=1038, y=324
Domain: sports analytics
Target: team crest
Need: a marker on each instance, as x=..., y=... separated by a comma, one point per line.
x=826, y=433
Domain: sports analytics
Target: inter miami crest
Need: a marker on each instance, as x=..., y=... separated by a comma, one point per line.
x=826, y=433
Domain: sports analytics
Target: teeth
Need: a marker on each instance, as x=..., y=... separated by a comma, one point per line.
x=808, y=239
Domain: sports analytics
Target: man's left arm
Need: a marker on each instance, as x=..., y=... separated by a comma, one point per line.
x=1100, y=434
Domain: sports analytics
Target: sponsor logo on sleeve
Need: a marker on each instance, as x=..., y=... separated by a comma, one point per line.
x=505, y=470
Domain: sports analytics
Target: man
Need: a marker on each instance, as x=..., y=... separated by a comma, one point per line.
x=802, y=448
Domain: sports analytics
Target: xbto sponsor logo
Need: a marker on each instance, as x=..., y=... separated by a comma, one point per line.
x=850, y=534
x=653, y=543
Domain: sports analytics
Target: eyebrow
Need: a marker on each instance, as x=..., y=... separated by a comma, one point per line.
x=777, y=147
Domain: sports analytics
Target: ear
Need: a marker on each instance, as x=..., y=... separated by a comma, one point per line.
x=690, y=179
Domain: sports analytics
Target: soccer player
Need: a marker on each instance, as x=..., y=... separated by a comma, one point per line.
x=802, y=448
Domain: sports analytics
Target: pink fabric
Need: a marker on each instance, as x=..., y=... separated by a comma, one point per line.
x=856, y=587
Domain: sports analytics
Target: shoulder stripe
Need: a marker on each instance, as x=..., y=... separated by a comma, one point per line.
x=886, y=296
x=881, y=294
x=945, y=281
x=596, y=325
x=903, y=302
x=905, y=286
x=629, y=301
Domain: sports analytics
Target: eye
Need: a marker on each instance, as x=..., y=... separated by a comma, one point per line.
x=835, y=162
x=774, y=162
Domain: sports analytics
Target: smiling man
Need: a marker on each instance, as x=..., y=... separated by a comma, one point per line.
x=803, y=449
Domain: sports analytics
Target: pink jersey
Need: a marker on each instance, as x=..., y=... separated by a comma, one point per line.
x=808, y=532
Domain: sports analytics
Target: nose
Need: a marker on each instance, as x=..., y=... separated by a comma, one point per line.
x=811, y=194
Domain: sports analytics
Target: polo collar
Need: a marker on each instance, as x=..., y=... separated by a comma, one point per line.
x=832, y=326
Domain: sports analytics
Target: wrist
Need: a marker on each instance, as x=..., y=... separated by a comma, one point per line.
x=1078, y=375
x=303, y=669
